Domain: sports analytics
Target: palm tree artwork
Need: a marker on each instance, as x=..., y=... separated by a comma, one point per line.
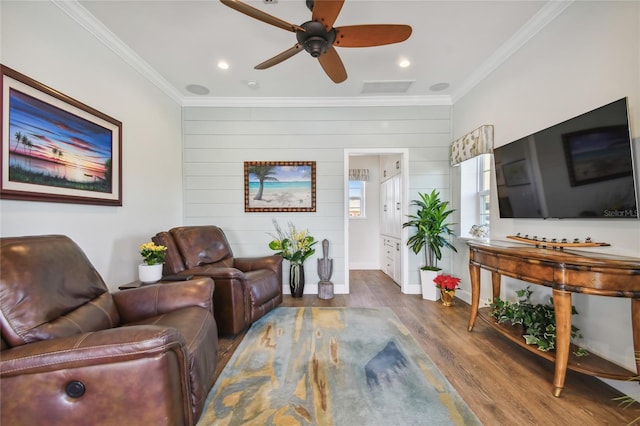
x=263, y=173
x=279, y=186
x=25, y=141
x=58, y=149
x=18, y=136
x=57, y=154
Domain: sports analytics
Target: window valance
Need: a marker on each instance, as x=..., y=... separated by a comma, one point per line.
x=359, y=174
x=477, y=142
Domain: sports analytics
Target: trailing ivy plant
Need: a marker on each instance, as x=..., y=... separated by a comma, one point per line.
x=538, y=320
x=627, y=401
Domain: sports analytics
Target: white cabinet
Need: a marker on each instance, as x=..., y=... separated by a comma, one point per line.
x=396, y=206
x=391, y=264
x=397, y=263
x=389, y=166
x=391, y=206
x=391, y=216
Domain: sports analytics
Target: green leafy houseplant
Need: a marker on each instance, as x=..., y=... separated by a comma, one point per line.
x=537, y=320
x=627, y=401
x=431, y=228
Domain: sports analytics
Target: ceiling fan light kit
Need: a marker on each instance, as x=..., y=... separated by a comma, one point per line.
x=315, y=39
x=319, y=37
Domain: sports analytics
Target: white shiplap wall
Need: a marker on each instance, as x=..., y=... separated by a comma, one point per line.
x=217, y=141
x=33, y=33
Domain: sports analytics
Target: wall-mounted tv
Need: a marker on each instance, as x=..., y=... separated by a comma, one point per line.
x=580, y=168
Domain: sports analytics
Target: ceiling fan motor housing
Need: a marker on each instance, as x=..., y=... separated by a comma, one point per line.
x=315, y=39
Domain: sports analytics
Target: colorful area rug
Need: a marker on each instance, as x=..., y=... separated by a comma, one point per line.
x=332, y=366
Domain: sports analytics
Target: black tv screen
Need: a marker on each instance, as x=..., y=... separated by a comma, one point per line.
x=580, y=168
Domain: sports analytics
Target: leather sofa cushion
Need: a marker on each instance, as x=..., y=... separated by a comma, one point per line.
x=198, y=329
x=200, y=245
x=52, y=291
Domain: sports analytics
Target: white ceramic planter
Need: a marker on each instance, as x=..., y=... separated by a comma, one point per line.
x=429, y=289
x=149, y=273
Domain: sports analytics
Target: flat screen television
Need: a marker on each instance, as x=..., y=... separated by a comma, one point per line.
x=580, y=168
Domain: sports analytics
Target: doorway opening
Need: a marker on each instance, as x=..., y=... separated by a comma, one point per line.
x=365, y=236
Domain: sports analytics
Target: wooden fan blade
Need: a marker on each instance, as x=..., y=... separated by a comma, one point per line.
x=280, y=57
x=332, y=65
x=326, y=12
x=371, y=35
x=260, y=15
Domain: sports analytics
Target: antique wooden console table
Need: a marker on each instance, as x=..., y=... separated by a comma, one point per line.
x=566, y=272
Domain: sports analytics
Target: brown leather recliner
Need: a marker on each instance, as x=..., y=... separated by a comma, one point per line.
x=75, y=354
x=246, y=288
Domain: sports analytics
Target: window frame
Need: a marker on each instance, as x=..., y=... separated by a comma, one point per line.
x=475, y=193
x=483, y=189
x=361, y=197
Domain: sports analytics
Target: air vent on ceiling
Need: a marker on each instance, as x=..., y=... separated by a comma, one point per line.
x=387, y=86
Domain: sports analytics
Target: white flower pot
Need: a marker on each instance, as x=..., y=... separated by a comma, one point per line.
x=149, y=273
x=429, y=289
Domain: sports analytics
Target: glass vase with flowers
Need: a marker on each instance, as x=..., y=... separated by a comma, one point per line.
x=296, y=247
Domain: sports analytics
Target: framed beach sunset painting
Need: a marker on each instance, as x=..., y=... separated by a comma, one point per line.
x=280, y=186
x=55, y=148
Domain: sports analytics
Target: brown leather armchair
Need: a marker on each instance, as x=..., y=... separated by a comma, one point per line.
x=246, y=288
x=75, y=354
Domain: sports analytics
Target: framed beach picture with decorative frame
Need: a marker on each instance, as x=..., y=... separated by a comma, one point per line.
x=55, y=148
x=280, y=186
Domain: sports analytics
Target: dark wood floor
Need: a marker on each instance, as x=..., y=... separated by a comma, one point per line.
x=501, y=382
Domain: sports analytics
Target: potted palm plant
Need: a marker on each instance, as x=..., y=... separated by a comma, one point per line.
x=431, y=235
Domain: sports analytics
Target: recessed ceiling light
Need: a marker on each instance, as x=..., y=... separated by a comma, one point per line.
x=223, y=65
x=439, y=87
x=252, y=84
x=197, y=89
x=404, y=63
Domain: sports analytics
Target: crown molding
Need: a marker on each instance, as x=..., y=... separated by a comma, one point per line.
x=89, y=22
x=545, y=15
x=83, y=17
x=317, y=102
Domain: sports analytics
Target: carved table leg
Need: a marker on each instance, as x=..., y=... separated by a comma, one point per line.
x=474, y=272
x=562, y=306
x=635, y=324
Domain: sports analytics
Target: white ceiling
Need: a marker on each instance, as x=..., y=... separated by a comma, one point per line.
x=176, y=43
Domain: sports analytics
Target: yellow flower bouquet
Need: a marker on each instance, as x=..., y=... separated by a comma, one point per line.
x=153, y=254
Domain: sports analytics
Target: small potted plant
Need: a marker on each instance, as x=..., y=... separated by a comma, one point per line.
x=150, y=270
x=431, y=234
x=295, y=246
x=447, y=285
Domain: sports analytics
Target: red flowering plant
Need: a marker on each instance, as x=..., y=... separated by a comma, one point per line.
x=447, y=282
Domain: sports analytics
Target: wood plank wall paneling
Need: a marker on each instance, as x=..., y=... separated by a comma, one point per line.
x=217, y=141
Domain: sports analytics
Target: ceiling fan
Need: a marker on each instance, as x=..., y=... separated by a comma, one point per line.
x=319, y=37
